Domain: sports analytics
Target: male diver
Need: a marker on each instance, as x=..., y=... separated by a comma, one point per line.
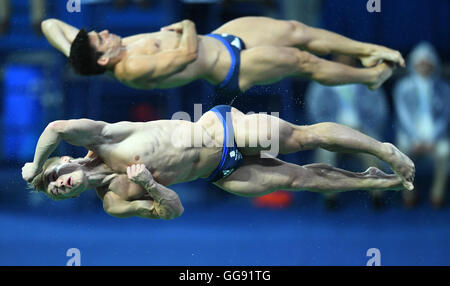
x=132, y=164
x=242, y=53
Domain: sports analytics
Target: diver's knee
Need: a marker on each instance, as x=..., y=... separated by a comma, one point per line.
x=299, y=32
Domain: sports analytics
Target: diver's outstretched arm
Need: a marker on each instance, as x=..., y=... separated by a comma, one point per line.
x=59, y=34
x=78, y=132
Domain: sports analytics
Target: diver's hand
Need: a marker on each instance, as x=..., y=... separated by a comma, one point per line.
x=29, y=171
x=178, y=27
x=140, y=175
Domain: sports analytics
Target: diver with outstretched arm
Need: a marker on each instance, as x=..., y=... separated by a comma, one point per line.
x=132, y=164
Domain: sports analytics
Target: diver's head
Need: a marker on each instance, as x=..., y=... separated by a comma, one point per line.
x=94, y=53
x=61, y=178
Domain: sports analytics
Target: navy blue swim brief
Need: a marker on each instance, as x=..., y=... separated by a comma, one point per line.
x=231, y=157
x=230, y=85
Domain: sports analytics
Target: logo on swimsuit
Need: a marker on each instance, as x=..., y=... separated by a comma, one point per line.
x=227, y=172
x=73, y=6
x=373, y=6
x=236, y=43
x=235, y=155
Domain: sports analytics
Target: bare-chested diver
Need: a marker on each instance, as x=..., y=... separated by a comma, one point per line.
x=242, y=53
x=132, y=165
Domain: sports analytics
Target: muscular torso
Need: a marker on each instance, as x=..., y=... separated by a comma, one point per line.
x=212, y=62
x=165, y=147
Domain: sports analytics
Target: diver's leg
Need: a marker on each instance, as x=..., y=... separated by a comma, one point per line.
x=377, y=195
x=340, y=138
x=253, y=31
x=269, y=64
x=329, y=158
x=290, y=33
x=258, y=176
x=328, y=135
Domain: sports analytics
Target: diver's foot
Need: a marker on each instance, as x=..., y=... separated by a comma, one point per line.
x=374, y=171
x=390, y=182
x=382, y=72
x=379, y=54
x=401, y=165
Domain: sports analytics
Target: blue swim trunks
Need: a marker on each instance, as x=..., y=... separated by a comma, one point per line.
x=231, y=157
x=230, y=85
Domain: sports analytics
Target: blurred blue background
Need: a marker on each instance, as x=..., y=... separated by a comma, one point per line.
x=37, y=86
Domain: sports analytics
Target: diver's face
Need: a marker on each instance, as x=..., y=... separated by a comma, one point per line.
x=424, y=68
x=105, y=42
x=65, y=179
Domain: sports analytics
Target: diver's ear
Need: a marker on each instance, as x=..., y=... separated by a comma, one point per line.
x=65, y=159
x=103, y=61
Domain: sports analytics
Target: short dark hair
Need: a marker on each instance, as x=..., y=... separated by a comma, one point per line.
x=83, y=56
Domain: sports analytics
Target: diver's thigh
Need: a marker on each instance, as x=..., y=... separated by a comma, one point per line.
x=258, y=176
x=254, y=31
x=266, y=65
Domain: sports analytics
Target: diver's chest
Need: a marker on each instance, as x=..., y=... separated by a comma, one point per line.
x=146, y=46
x=152, y=45
x=136, y=149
